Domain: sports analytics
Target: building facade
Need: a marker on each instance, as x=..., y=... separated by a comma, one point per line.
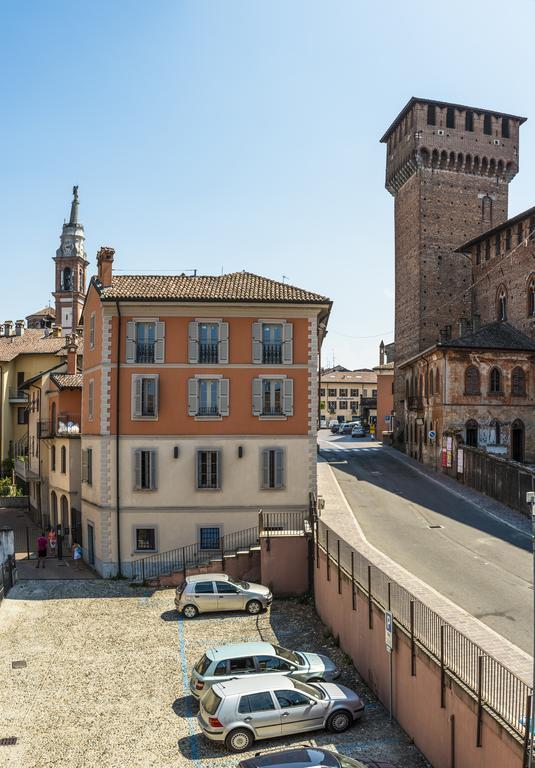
x=199, y=409
x=385, y=390
x=346, y=395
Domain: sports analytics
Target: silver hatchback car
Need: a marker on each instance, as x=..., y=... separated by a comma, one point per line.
x=240, y=711
x=256, y=658
x=209, y=592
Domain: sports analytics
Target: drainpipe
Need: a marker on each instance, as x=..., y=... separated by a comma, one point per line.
x=117, y=452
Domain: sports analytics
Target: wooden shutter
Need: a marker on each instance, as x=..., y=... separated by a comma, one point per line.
x=84, y=465
x=265, y=467
x=224, y=397
x=159, y=347
x=257, y=342
x=288, y=397
x=130, y=342
x=223, y=342
x=90, y=398
x=137, y=468
x=153, y=470
x=279, y=468
x=92, y=331
x=287, y=343
x=137, y=408
x=193, y=398
x=193, y=343
x=257, y=397
x=156, y=395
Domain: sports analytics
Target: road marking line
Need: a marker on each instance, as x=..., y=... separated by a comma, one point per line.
x=194, y=735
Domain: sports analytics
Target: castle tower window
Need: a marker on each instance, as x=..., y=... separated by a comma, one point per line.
x=502, y=304
x=487, y=250
x=497, y=244
x=478, y=253
x=531, y=296
x=487, y=124
x=495, y=382
x=508, y=239
x=519, y=233
x=518, y=381
x=471, y=381
x=532, y=226
x=505, y=127
x=66, y=279
x=497, y=433
x=450, y=117
x=431, y=114
x=469, y=121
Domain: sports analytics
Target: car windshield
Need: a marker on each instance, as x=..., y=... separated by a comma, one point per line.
x=309, y=690
x=238, y=583
x=211, y=702
x=202, y=665
x=284, y=653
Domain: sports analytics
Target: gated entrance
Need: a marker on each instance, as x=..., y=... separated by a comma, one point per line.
x=26, y=542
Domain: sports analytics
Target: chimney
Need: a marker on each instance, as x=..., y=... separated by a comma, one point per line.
x=464, y=326
x=19, y=327
x=105, y=265
x=71, y=345
x=382, y=353
x=8, y=327
x=55, y=331
x=476, y=323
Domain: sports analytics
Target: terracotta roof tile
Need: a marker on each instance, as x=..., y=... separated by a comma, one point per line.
x=235, y=287
x=32, y=342
x=67, y=380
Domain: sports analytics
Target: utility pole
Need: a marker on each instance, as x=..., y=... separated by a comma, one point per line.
x=530, y=498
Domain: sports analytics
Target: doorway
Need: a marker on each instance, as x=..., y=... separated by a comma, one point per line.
x=90, y=544
x=517, y=441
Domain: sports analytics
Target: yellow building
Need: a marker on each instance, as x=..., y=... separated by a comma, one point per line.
x=347, y=395
x=24, y=353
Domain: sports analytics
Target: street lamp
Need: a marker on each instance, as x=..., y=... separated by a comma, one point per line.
x=530, y=498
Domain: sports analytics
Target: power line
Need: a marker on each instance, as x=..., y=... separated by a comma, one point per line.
x=374, y=336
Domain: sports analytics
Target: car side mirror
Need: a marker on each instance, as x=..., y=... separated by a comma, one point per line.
x=312, y=702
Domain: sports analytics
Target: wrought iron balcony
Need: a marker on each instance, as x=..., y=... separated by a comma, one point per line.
x=276, y=410
x=145, y=352
x=208, y=353
x=272, y=354
x=18, y=395
x=208, y=410
x=67, y=424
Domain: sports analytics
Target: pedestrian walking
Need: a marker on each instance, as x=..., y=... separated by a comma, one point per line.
x=76, y=550
x=52, y=542
x=41, y=549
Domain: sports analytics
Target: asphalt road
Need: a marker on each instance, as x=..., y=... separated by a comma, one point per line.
x=478, y=562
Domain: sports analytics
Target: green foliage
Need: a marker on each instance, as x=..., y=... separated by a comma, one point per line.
x=6, y=489
x=6, y=468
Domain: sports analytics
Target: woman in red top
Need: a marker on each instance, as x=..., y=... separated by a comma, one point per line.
x=41, y=549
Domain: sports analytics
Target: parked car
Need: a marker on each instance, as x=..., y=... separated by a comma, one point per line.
x=240, y=711
x=206, y=593
x=335, y=428
x=333, y=423
x=323, y=423
x=358, y=431
x=302, y=757
x=246, y=659
x=347, y=427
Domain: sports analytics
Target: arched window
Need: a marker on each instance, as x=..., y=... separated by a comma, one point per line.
x=63, y=459
x=66, y=282
x=495, y=381
x=53, y=508
x=497, y=433
x=64, y=508
x=518, y=381
x=53, y=458
x=437, y=382
x=471, y=380
x=502, y=303
x=431, y=382
x=472, y=430
x=487, y=124
x=531, y=296
x=407, y=389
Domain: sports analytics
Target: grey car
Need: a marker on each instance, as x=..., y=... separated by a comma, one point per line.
x=304, y=757
x=241, y=711
x=249, y=659
x=209, y=592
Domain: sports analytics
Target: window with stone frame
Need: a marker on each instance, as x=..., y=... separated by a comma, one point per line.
x=342, y=405
x=331, y=393
x=342, y=392
x=531, y=296
x=495, y=381
x=471, y=381
x=518, y=381
x=519, y=232
x=353, y=393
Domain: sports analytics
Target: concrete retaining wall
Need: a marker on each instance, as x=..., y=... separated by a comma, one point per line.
x=446, y=736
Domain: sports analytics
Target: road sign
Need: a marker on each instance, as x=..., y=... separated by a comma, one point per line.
x=389, y=626
x=432, y=434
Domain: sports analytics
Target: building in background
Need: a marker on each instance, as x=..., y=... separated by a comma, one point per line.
x=71, y=265
x=346, y=395
x=44, y=318
x=385, y=390
x=199, y=409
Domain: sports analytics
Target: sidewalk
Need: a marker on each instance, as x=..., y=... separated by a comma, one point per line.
x=339, y=516
x=55, y=569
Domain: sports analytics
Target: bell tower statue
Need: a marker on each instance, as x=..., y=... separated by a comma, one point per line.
x=71, y=266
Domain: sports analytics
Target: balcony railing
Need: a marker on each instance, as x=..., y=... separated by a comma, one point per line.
x=415, y=404
x=18, y=395
x=275, y=411
x=208, y=353
x=272, y=354
x=208, y=410
x=145, y=352
x=66, y=424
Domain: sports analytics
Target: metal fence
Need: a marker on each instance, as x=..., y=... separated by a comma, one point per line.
x=490, y=682
x=7, y=576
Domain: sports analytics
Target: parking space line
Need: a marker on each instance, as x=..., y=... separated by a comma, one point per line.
x=190, y=716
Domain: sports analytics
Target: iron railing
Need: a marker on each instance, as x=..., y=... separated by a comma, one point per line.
x=145, y=352
x=18, y=395
x=272, y=353
x=208, y=410
x=275, y=411
x=208, y=353
x=193, y=555
x=502, y=692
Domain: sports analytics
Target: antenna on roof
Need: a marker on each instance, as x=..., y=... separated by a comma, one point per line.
x=284, y=278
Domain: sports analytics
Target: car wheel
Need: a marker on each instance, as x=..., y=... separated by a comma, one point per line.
x=253, y=607
x=190, y=611
x=339, y=721
x=239, y=740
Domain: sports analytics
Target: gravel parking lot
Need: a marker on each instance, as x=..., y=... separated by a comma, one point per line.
x=105, y=680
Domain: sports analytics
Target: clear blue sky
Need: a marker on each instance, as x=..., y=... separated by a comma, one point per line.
x=237, y=135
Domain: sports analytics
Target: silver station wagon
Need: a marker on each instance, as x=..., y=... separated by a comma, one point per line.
x=240, y=711
x=209, y=592
x=252, y=659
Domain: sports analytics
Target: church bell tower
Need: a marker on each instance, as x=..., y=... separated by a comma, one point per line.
x=71, y=268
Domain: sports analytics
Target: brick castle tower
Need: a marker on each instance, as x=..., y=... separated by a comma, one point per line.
x=448, y=168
